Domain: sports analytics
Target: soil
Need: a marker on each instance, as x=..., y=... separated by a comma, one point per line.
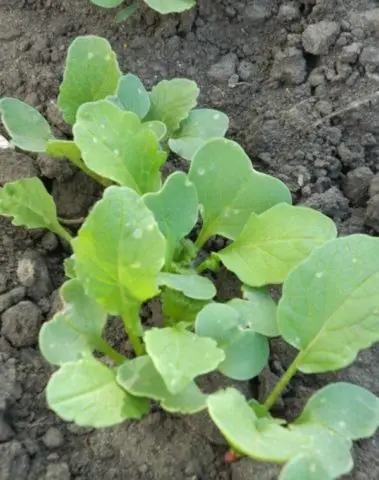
x=299, y=80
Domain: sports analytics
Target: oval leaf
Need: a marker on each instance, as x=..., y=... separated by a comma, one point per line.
x=179, y=356
x=114, y=145
x=74, y=331
x=107, y=3
x=132, y=96
x=330, y=304
x=119, y=250
x=201, y=125
x=191, y=284
x=87, y=393
x=170, y=6
x=26, y=126
x=158, y=128
x=172, y=100
x=91, y=73
x=272, y=244
x=237, y=189
x=305, y=468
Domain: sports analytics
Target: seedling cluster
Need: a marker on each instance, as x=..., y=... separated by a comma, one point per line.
x=140, y=242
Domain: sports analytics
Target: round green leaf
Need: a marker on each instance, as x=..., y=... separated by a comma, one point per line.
x=201, y=125
x=119, y=251
x=87, y=393
x=237, y=189
x=191, y=284
x=330, y=304
x=304, y=467
x=74, y=331
x=132, y=96
x=170, y=6
x=218, y=321
x=115, y=145
x=92, y=73
x=26, y=126
x=273, y=243
x=179, y=356
x=107, y=3
x=158, y=128
x=347, y=409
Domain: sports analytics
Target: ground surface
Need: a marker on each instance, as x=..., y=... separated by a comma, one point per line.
x=299, y=80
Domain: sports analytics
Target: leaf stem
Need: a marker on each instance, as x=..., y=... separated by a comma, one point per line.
x=62, y=232
x=283, y=382
x=133, y=328
x=104, y=347
x=202, y=238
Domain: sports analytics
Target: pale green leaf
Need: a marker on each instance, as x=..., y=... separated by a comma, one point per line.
x=347, y=409
x=115, y=145
x=246, y=352
x=261, y=439
x=172, y=100
x=273, y=243
x=92, y=73
x=125, y=13
x=30, y=205
x=107, y=3
x=74, y=331
x=237, y=190
x=119, y=250
x=201, y=125
x=330, y=304
x=26, y=126
x=158, y=128
x=191, y=284
x=132, y=96
x=64, y=148
x=170, y=6
x=140, y=378
x=304, y=467
x=175, y=208
x=87, y=393
x=179, y=356
x=69, y=267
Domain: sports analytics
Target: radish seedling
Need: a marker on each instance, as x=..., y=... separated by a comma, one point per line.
x=161, y=6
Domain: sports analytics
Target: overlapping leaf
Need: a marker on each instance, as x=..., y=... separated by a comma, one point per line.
x=191, y=284
x=132, y=96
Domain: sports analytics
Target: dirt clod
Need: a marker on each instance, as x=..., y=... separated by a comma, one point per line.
x=21, y=324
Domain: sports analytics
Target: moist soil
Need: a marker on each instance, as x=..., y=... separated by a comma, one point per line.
x=299, y=81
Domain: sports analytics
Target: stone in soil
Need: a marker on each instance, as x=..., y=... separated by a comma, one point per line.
x=57, y=471
x=21, y=324
x=357, y=183
x=14, y=461
x=53, y=438
x=33, y=273
x=246, y=469
x=11, y=298
x=319, y=37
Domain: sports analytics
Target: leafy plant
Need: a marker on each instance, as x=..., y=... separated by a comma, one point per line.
x=161, y=6
x=141, y=241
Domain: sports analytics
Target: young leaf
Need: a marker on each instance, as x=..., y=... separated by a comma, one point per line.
x=347, y=409
x=261, y=439
x=273, y=243
x=172, y=100
x=237, y=189
x=91, y=74
x=246, y=352
x=139, y=377
x=125, y=13
x=132, y=96
x=64, y=148
x=330, y=304
x=176, y=307
x=26, y=126
x=170, y=6
x=119, y=251
x=87, y=393
x=175, y=208
x=158, y=128
x=30, y=205
x=69, y=267
x=74, y=331
x=191, y=284
x=304, y=467
x=179, y=356
x=107, y=3
x=201, y=125
x=114, y=145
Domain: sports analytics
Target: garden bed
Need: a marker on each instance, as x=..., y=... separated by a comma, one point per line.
x=306, y=109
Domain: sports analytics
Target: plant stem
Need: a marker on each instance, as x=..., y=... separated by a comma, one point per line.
x=133, y=328
x=210, y=263
x=283, y=382
x=202, y=238
x=103, y=347
x=62, y=232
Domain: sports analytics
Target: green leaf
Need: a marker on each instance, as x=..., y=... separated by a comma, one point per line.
x=258, y=309
x=91, y=74
x=115, y=145
x=107, y=3
x=349, y=410
x=237, y=189
x=87, y=393
x=179, y=356
x=191, y=284
x=158, y=128
x=30, y=205
x=139, y=377
x=330, y=304
x=69, y=267
x=132, y=96
x=177, y=308
x=201, y=125
x=74, y=331
x=26, y=126
x=125, y=13
x=170, y=6
x=304, y=467
x=119, y=251
x=261, y=439
x=175, y=208
x=172, y=100
x=64, y=148
x=273, y=243
x=246, y=352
